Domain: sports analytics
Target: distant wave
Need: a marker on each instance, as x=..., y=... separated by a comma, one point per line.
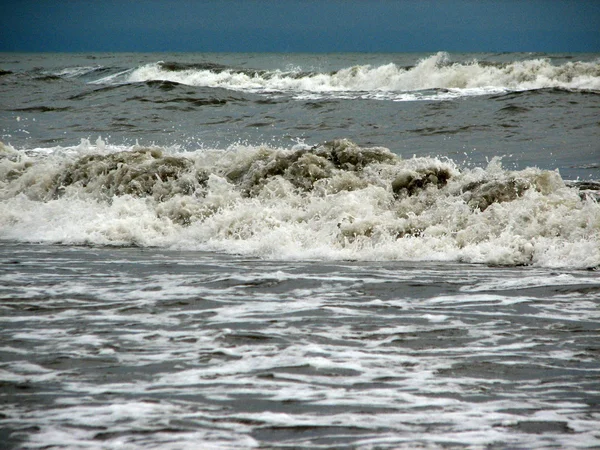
x=78, y=71
x=435, y=77
x=335, y=201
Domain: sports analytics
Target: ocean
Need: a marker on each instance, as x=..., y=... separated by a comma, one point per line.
x=299, y=251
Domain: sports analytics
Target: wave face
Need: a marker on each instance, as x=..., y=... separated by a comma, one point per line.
x=432, y=78
x=333, y=201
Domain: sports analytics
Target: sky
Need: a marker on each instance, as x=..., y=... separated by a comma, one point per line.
x=300, y=25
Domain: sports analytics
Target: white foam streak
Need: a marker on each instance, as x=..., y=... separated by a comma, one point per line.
x=73, y=72
x=388, y=81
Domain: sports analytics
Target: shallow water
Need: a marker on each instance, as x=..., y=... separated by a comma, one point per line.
x=130, y=348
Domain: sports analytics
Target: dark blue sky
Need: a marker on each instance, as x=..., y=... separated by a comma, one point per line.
x=300, y=25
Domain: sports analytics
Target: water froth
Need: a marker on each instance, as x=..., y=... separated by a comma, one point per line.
x=435, y=77
x=332, y=201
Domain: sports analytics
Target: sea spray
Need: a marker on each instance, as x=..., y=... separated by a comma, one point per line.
x=335, y=200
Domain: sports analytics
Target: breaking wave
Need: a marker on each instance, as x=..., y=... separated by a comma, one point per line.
x=435, y=77
x=333, y=201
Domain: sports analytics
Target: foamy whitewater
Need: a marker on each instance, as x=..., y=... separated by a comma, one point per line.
x=299, y=251
x=333, y=201
x=386, y=81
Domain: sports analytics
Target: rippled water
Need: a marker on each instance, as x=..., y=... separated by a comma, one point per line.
x=236, y=251
x=531, y=109
x=160, y=349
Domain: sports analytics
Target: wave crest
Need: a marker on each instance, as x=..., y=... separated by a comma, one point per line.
x=388, y=81
x=336, y=200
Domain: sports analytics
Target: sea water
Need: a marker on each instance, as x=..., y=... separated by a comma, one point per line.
x=299, y=251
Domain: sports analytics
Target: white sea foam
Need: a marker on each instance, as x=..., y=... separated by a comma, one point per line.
x=436, y=73
x=335, y=201
x=77, y=71
x=245, y=363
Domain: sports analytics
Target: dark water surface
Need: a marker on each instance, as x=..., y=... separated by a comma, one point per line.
x=531, y=109
x=150, y=348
